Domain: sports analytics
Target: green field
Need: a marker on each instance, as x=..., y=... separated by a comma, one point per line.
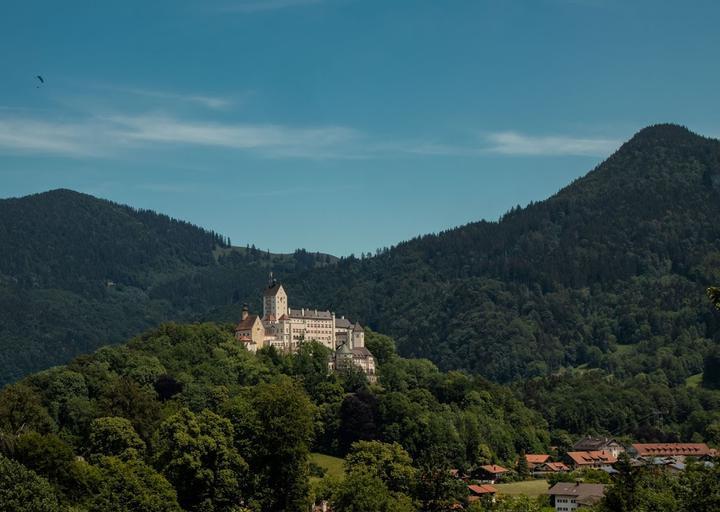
x=528, y=488
x=694, y=380
x=333, y=465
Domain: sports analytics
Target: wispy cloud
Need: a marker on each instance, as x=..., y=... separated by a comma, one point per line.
x=106, y=136
x=33, y=136
x=204, y=100
x=513, y=143
x=250, y=6
x=273, y=140
x=114, y=135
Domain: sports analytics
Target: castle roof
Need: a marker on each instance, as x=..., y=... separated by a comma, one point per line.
x=270, y=318
x=310, y=313
x=361, y=352
x=247, y=323
x=284, y=317
x=343, y=323
x=344, y=349
x=358, y=328
x=273, y=289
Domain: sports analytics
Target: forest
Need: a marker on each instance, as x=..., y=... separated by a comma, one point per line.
x=183, y=418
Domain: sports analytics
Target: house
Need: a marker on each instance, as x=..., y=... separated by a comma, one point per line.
x=569, y=496
x=491, y=473
x=552, y=467
x=676, y=450
x=477, y=492
x=535, y=459
x=591, y=459
x=599, y=444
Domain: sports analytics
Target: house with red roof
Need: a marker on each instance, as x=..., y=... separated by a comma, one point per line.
x=590, y=459
x=676, y=450
x=535, y=459
x=477, y=492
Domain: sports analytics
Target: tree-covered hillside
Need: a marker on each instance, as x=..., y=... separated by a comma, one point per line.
x=77, y=272
x=610, y=272
x=184, y=418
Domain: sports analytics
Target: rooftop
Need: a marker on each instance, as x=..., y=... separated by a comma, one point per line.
x=247, y=323
x=689, y=449
x=310, y=313
x=577, y=489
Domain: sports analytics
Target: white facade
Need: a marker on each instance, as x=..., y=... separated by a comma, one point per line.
x=285, y=328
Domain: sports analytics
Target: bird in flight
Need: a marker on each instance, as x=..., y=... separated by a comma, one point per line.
x=42, y=81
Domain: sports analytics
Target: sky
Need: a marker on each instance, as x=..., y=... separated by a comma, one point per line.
x=340, y=126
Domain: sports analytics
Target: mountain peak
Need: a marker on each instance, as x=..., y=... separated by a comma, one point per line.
x=665, y=133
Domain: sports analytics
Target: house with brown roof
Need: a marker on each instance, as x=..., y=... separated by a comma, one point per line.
x=491, y=473
x=599, y=444
x=551, y=467
x=591, y=459
x=676, y=450
x=570, y=496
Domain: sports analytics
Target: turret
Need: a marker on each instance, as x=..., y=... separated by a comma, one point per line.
x=358, y=336
x=245, y=312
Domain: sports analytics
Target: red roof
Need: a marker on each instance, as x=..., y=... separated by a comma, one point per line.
x=590, y=458
x=284, y=317
x=534, y=458
x=665, y=449
x=482, y=489
x=494, y=469
x=555, y=466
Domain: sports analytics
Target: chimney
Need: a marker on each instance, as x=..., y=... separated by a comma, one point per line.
x=245, y=313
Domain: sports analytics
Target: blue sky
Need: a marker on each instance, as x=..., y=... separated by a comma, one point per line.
x=340, y=125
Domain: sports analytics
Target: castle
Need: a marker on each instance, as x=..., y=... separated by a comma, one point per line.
x=286, y=328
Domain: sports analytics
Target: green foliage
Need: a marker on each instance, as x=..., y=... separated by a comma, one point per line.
x=389, y=462
x=197, y=455
x=131, y=486
x=117, y=437
x=22, y=489
x=647, y=488
x=365, y=492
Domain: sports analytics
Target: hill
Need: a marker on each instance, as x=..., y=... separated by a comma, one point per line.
x=609, y=272
x=77, y=272
x=183, y=418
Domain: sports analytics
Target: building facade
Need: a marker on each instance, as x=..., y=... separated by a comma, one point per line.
x=285, y=328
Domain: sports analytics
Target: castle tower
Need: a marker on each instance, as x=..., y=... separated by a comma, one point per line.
x=275, y=301
x=358, y=336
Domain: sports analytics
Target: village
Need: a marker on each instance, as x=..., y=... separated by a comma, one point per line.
x=589, y=458
x=573, y=479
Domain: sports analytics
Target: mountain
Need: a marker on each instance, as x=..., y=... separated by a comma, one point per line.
x=610, y=272
x=77, y=272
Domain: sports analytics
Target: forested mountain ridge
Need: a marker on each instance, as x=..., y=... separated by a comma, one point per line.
x=609, y=272
x=78, y=272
